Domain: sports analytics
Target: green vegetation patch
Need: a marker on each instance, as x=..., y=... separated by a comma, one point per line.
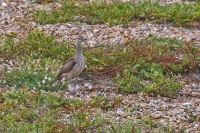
x=116, y=13
x=151, y=65
x=39, y=79
x=148, y=65
x=37, y=111
x=36, y=45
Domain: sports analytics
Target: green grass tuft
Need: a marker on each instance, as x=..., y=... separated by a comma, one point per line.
x=36, y=45
x=117, y=13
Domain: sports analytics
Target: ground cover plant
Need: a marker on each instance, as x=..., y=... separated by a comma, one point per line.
x=38, y=111
x=149, y=65
x=116, y=13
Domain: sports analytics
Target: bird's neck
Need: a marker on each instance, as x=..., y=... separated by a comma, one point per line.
x=79, y=48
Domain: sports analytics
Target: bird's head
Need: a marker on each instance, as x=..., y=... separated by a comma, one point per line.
x=81, y=39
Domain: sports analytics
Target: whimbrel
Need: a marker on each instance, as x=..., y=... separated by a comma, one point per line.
x=74, y=65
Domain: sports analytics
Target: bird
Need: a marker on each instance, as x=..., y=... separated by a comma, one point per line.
x=72, y=67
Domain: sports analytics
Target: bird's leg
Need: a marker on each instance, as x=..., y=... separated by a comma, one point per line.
x=76, y=85
x=69, y=85
x=72, y=87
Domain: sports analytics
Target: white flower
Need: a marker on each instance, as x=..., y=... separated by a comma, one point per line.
x=49, y=78
x=55, y=84
x=43, y=81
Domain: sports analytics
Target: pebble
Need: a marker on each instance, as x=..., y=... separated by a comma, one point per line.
x=121, y=113
x=198, y=110
x=3, y=4
x=197, y=101
x=187, y=104
x=157, y=116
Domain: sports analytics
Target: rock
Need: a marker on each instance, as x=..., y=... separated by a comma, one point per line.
x=175, y=112
x=187, y=104
x=118, y=118
x=121, y=113
x=197, y=110
x=157, y=116
x=3, y=4
x=178, y=121
x=170, y=114
x=197, y=101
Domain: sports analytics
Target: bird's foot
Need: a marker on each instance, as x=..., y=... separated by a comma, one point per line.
x=73, y=93
x=73, y=89
x=76, y=87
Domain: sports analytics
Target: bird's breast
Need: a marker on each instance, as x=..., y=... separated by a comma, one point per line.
x=78, y=68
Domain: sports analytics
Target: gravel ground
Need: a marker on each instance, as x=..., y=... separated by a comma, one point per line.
x=177, y=111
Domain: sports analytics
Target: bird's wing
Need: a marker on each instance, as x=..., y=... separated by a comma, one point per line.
x=67, y=66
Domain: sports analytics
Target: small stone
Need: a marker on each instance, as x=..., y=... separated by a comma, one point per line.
x=170, y=114
x=178, y=121
x=121, y=113
x=196, y=125
x=198, y=110
x=187, y=104
x=180, y=117
x=117, y=118
x=175, y=112
x=195, y=94
x=197, y=101
x=96, y=30
x=157, y=116
x=3, y=4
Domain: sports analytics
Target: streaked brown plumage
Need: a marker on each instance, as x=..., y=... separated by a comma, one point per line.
x=75, y=64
